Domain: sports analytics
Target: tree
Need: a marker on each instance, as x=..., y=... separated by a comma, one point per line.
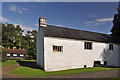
x=32, y=51
x=12, y=36
x=34, y=34
x=116, y=23
x=4, y=54
x=11, y=46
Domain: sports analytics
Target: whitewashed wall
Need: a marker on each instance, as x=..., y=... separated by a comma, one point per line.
x=74, y=55
x=113, y=56
x=40, y=48
x=119, y=56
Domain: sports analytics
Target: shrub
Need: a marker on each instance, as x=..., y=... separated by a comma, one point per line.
x=5, y=45
x=11, y=46
x=22, y=47
x=18, y=46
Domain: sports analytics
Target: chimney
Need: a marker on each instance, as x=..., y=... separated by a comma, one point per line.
x=42, y=22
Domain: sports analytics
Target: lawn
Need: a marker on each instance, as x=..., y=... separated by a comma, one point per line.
x=8, y=63
x=13, y=62
x=31, y=72
x=34, y=72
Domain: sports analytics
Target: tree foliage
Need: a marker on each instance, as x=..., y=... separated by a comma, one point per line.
x=14, y=37
x=116, y=23
x=32, y=50
x=4, y=54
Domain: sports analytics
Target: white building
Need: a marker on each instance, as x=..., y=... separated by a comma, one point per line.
x=60, y=48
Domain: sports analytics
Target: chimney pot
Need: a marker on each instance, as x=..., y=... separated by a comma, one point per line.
x=42, y=22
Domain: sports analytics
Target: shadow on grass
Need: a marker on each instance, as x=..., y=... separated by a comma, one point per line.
x=30, y=64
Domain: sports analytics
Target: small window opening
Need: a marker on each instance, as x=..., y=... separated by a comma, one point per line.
x=88, y=45
x=110, y=46
x=58, y=48
x=85, y=66
x=105, y=62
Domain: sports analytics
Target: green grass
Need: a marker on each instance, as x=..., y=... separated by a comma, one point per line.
x=30, y=72
x=13, y=62
x=29, y=60
x=8, y=63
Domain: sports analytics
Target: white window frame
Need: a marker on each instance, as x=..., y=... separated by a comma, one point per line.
x=86, y=46
x=14, y=54
x=8, y=54
x=21, y=55
x=58, y=48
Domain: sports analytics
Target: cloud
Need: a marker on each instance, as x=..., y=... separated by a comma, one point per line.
x=12, y=8
x=104, y=19
x=21, y=10
x=36, y=24
x=19, y=21
x=17, y=9
x=97, y=22
x=4, y=19
x=25, y=28
x=89, y=22
x=93, y=15
x=100, y=23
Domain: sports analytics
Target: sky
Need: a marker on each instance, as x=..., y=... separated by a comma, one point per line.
x=89, y=16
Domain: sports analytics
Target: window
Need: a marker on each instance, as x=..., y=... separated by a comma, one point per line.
x=58, y=48
x=14, y=54
x=88, y=45
x=8, y=54
x=21, y=55
x=110, y=46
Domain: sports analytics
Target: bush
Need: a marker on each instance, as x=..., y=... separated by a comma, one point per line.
x=11, y=46
x=18, y=46
x=5, y=45
x=22, y=47
x=4, y=54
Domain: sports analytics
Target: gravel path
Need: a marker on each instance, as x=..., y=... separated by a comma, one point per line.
x=6, y=71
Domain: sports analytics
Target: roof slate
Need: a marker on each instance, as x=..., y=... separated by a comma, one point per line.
x=62, y=32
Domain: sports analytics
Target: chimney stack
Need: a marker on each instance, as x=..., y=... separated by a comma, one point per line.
x=42, y=22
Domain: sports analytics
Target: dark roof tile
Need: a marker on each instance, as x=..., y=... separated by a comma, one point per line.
x=62, y=32
x=16, y=51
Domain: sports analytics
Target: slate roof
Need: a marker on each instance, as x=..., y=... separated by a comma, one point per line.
x=62, y=32
x=18, y=51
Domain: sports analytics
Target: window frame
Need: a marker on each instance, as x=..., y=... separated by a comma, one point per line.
x=15, y=55
x=21, y=55
x=8, y=54
x=88, y=46
x=56, y=48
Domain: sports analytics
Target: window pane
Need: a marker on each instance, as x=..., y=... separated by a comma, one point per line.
x=8, y=54
x=14, y=54
x=88, y=45
x=110, y=46
x=60, y=49
x=21, y=55
x=57, y=48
